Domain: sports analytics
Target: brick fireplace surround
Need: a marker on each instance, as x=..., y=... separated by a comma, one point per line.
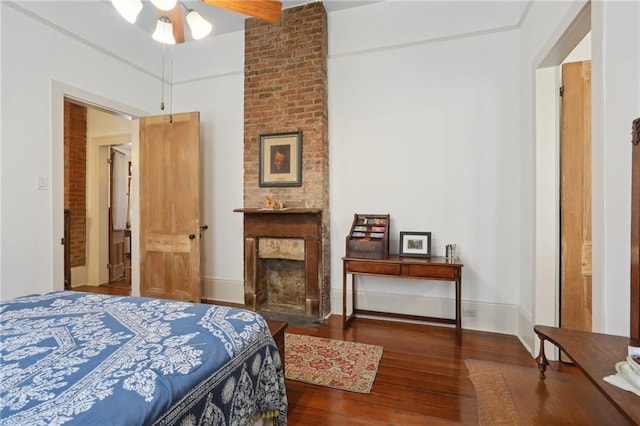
x=285, y=90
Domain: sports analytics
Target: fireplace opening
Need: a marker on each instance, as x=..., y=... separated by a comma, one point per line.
x=281, y=272
x=281, y=287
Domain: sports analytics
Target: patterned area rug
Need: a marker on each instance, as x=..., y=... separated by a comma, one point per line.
x=337, y=364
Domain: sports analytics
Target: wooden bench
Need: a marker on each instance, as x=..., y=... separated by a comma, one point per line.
x=596, y=355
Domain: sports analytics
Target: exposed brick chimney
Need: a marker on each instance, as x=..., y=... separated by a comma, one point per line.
x=285, y=90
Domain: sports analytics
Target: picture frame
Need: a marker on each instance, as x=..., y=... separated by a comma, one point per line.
x=280, y=159
x=415, y=244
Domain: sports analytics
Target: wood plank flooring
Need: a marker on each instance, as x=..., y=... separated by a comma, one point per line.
x=422, y=378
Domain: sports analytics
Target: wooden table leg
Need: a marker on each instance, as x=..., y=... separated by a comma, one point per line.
x=541, y=359
x=459, y=312
x=344, y=298
x=346, y=319
x=353, y=297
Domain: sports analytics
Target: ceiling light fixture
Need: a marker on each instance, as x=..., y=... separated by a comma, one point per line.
x=164, y=31
x=200, y=27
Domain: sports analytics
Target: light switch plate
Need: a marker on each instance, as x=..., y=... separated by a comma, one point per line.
x=42, y=183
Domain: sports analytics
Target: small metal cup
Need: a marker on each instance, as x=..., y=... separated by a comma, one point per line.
x=450, y=251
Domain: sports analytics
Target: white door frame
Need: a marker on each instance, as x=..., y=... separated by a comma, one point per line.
x=547, y=222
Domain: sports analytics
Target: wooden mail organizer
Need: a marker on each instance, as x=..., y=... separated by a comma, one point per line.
x=369, y=236
x=434, y=268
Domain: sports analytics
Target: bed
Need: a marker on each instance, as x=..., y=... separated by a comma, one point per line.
x=80, y=358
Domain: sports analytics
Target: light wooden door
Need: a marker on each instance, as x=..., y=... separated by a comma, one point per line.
x=170, y=206
x=575, y=193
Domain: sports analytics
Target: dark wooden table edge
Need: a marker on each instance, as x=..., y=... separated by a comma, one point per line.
x=543, y=333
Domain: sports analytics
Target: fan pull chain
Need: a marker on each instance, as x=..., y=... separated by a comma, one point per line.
x=162, y=82
x=171, y=86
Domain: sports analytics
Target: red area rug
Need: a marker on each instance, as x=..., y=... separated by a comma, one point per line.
x=349, y=366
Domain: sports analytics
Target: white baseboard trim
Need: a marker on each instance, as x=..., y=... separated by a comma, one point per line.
x=230, y=291
x=480, y=316
x=525, y=331
x=491, y=317
x=530, y=340
x=79, y=276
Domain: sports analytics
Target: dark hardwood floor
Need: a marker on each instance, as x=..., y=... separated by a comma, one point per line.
x=422, y=378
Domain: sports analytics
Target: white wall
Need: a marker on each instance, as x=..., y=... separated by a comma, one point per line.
x=423, y=126
x=616, y=93
x=37, y=62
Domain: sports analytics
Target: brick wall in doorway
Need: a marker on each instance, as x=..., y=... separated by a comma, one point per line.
x=75, y=172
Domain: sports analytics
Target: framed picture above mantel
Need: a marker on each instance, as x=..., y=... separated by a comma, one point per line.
x=280, y=162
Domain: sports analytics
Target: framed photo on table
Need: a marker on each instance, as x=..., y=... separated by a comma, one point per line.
x=280, y=162
x=415, y=244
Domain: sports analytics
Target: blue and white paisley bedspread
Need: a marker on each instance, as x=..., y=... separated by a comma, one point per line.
x=88, y=359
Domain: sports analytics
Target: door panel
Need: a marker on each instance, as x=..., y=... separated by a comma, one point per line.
x=575, y=193
x=170, y=207
x=116, y=236
x=116, y=255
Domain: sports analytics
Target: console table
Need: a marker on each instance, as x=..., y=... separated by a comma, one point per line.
x=596, y=355
x=434, y=268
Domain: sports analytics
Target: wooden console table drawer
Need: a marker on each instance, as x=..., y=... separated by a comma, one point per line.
x=431, y=272
x=373, y=267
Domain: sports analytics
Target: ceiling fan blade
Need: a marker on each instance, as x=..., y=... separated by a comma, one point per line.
x=267, y=10
x=177, y=22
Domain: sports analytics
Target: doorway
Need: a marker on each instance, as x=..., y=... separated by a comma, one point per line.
x=59, y=93
x=91, y=137
x=171, y=178
x=576, y=38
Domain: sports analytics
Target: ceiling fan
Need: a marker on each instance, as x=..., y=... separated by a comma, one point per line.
x=170, y=26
